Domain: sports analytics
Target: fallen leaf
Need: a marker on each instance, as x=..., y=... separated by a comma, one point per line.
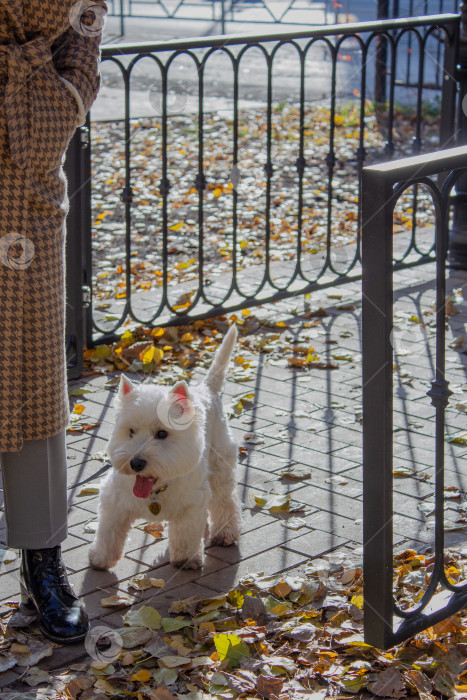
x=390, y=684
x=269, y=687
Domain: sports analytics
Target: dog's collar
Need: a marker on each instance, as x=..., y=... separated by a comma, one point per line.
x=153, y=505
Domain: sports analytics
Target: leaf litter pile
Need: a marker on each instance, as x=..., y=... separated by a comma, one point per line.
x=291, y=635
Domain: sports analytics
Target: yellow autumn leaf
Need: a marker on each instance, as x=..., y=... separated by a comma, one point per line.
x=143, y=675
x=78, y=408
x=357, y=600
x=279, y=610
x=246, y=312
x=186, y=338
x=176, y=227
x=217, y=192
x=157, y=332
x=153, y=354
x=88, y=490
x=149, y=354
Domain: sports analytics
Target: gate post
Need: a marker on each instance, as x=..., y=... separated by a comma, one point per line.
x=377, y=291
x=457, y=255
x=77, y=171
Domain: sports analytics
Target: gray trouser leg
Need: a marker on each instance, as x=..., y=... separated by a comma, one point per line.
x=35, y=496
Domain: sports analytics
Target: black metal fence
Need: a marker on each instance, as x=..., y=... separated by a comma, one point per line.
x=236, y=190
x=386, y=622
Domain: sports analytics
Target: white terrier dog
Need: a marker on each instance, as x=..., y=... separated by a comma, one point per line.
x=173, y=460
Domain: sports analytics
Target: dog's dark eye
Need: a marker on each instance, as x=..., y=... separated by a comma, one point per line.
x=161, y=434
x=132, y=432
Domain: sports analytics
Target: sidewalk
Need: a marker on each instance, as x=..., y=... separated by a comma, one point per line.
x=305, y=419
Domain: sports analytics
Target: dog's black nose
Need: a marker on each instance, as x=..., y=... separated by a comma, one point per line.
x=137, y=464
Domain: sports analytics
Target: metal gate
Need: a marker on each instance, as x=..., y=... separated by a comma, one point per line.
x=386, y=624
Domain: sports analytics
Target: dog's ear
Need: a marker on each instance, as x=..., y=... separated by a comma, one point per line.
x=125, y=386
x=181, y=392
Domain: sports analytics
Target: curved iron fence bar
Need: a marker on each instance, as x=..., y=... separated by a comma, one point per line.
x=436, y=577
x=300, y=164
x=229, y=292
x=122, y=69
x=265, y=280
x=398, y=192
x=360, y=155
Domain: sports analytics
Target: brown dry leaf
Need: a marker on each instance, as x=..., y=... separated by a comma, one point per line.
x=451, y=624
x=269, y=686
x=117, y=601
x=418, y=680
x=390, y=684
x=282, y=589
x=127, y=659
x=133, y=351
x=444, y=682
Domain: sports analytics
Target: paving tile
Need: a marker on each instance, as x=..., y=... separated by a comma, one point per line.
x=89, y=580
x=270, y=562
x=264, y=538
x=256, y=478
x=78, y=559
x=9, y=585
x=161, y=599
x=327, y=500
x=314, y=544
x=332, y=461
x=175, y=577
x=92, y=602
x=63, y=656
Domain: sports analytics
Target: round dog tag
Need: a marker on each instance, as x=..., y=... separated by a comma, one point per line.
x=155, y=508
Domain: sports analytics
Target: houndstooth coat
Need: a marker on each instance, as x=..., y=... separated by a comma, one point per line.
x=49, y=77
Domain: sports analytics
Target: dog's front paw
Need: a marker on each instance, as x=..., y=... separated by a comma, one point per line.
x=225, y=537
x=195, y=562
x=99, y=560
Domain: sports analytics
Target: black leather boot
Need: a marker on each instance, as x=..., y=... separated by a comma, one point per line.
x=45, y=587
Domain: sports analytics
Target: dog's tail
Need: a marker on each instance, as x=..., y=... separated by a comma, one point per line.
x=216, y=375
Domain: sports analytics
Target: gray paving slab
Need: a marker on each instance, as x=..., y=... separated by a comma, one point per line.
x=272, y=561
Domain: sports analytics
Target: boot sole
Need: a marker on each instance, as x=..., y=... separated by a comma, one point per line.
x=29, y=604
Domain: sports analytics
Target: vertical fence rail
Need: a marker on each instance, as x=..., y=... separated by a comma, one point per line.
x=386, y=624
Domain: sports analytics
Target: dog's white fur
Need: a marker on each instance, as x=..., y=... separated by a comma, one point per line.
x=196, y=461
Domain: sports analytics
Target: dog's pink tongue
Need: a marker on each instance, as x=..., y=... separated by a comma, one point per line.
x=143, y=486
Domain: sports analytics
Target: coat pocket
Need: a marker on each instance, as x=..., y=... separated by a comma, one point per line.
x=52, y=118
